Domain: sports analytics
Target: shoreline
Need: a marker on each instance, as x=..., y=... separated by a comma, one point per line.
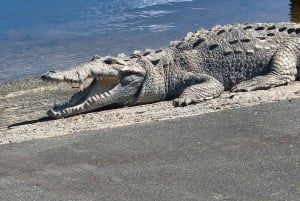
x=24, y=105
x=22, y=84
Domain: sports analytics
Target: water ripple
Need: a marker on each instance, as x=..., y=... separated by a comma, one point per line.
x=39, y=35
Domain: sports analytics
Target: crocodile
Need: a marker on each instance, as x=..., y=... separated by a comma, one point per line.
x=236, y=57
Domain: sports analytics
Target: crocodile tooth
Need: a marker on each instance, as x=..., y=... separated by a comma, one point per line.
x=81, y=87
x=79, y=108
x=72, y=110
x=86, y=105
x=106, y=94
x=64, y=112
x=94, y=98
x=68, y=110
x=90, y=101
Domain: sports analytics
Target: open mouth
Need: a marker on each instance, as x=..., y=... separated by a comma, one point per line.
x=114, y=82
x=99, y=92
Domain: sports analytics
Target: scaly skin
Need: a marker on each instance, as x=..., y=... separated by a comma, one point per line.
x=240, y=57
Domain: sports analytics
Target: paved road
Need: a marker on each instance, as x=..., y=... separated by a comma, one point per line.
x=243, y=154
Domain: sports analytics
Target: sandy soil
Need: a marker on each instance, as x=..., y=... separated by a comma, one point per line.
x=23, y=113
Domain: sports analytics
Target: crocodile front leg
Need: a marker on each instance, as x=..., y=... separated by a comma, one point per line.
x=207, y=89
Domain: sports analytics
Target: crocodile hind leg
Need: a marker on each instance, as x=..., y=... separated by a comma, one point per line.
x=209, y=88
x=283, y=69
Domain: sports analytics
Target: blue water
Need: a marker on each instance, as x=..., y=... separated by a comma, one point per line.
x=36, y=35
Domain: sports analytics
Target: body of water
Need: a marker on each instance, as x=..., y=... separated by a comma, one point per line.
x=36, y=36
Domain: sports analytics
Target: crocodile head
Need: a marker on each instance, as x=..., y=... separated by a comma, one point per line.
x=115, y=82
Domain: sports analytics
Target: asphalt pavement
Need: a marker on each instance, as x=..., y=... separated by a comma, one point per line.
x=241, y=154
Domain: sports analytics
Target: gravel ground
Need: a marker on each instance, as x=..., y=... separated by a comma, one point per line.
x=23, y=107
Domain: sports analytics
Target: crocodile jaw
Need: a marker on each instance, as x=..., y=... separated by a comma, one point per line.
x=85, y=100
x=103, y=91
